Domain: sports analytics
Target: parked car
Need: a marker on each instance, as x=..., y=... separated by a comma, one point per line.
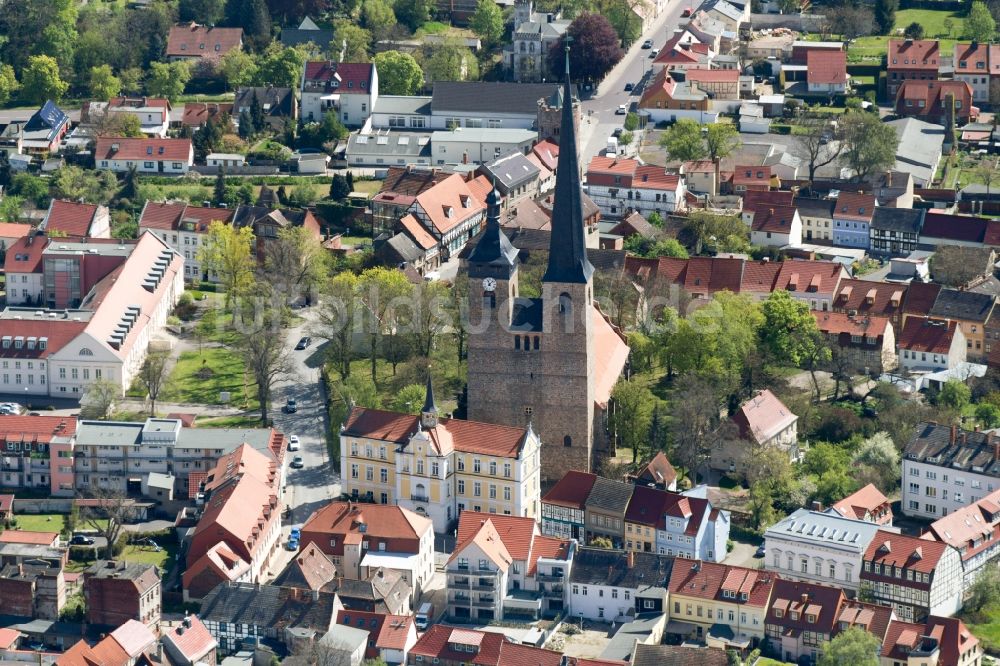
x=618, y=132
x=629, y=87
x=761, y=551
x=621, y=110
x=293, y=443
x=648, y=44
x=292, y=545
x=686, y=13
x=304, y=342
x=654, y=53
x=291, y=406
x=81, y=540
x=298, y=463
x=295, y=533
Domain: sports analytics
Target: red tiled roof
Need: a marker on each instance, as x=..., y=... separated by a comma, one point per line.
x=856, y=505
x=134, y=637
x=14, y=230
x=190, y=40
x=7, y=637
x=22, y=536
x=920, y=297
x=708, y=580
x=610, y=355
x=866, y=297
x=109, y=652
x=800, y=276
x=754, y=200
x=548, y=547
x=572, y=490
x=35, y=428
x=968, y=57
x=178, y=150
x=195, y=642
x=352, y=78
x=69, y=217
x=778, y=219
x=804, y=598
x=658, y=470
x=6, y=503
x=826, y=66
x=836, y=323
x=913, y=54
x=648, y=177
x=921, y=97
x=712, y=274
x=856, y=206
x=548, y=153
x=516, y=532
x=909, y=552
x=385, y=631
x=648, y=506
x=751, y=175
x=416, y=231
x=25, y=254
x=491, y=649
x=759, y=276
x=763, y=416
x=449, y=203
x=924, y=334
x=197, y=114
x=713, y=75
x=401, y=527
x=168, y=216
x=968, y=526
x=58, y=332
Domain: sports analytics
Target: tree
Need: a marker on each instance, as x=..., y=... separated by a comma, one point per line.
x=314, y=135
x=131, y=79
x=245, y=128
x=951, y=267
x=789, y=6
x=954, y=394
x=683, y=141
x=219, y=193
x=8, y=84
x=168, y=79
x=984, y=171
x=153, y=376
x=791, y=336
x=99, y=399
x=281, y=66
x=72, y=182
x=40, y=80
x=351, y=42
x=335, y=320
x=949, y=25
x=914, y=31
x=487, y=23
x=980, y=26
x=430, y=317
x=206, y=12
x=449, y=61
x=376, y=16
x=631, y=415
x=227, y=254
x=852, y=647
x=850, y=21
x=623, y=15
x=983, y=595
x=109, y=515
x=878, y=460
x=869, y=144
x=238, y=68
x=262, y=347
x=255, y=19
x=103, y=83
x=650, y=247
x=820, y=144
x=295, y=263
x=398, y=73
x=414, y=13
x=595, y=49
x=380, y=293
x=409, y=399
x=885, y=15
x=601, y=542
x=339, y=188
x=696, y=426
x=988, y=415
x=721, y=140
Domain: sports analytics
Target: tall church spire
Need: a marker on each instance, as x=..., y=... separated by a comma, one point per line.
x=494, y=247
x=567, y=246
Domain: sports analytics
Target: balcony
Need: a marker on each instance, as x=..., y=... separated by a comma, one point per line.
x=550, y=578
x=553, y=591
x=419, y=498
x=484, y=603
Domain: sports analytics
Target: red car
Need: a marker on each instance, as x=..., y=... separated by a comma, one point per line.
x=686, y=12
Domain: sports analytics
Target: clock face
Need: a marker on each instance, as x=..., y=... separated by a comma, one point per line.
x=489, y=284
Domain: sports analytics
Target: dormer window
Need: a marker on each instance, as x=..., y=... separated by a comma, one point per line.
x=202, y=46
x=779, y=613
x=794, y=615
x=810, y=618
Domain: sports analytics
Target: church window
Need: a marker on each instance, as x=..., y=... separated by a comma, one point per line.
x=527, y=343
x=567, y=441
x=489, y=299
x=528, y=411
x=536, y=343
x=517, y=343
x=565, y=304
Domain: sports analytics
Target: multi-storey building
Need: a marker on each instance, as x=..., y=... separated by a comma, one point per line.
x=117, y=592
x=896, y=231
x=867, y=504
x=864, y=343
x=440, y=467
x=974, y=531
x=928, y=345
x=74, y=218
x=911, y=59
x=818, y=547
x=971, y=310
x=33, y=590
x=184, y=228
x=916, y=577
x=801, y=618
x=38, y=453
x=534, y=34
x=620, y=184
x=972, y=65
x=450, y=213
x=608, y=585
x=711, y=596
x=502, y=567
x=564, y=506
x=864, y=298
x=852, y=216
x=946, y=468
x=452, y=646
x=153, y=113
x=944, y=641
x=350, y=90
x=149, y=156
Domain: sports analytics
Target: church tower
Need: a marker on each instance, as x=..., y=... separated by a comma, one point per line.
x=533, y=362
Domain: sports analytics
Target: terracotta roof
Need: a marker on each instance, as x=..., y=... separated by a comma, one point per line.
x=449, y=203
x=836, y=323
x=677, y=655
x=134, y=637
x=759, y=276
x=713, y=75
x=548, y=547
x=778, y=219
x=754, y=200
x=14, y=230
x=8, y=637
x=866, y=297
x=488, y=542
x=109, y=652
x=572, y=490
x=58, y=333
x=804, y=599
x=177, y=150
x=648, y=177
x=171, y=216
x=826, y=66
x=195, y=641
x=438, y=640
x=968, y=58
x=547, y=152
x=924, y=334
x=820, y=277
x=856, y=206
x=401, y=527
x=908, y=552
x=763, y=416
x=648, y=506
x=198, y=41
x=416, y=232
x=751, y=175
x=610, y=355
x=913, y=54
x=36, y=429
x=480, y=186
x=515, y=532
x=858, y=504
x=873, y=618
x=721, y=582
x=235, y=513
x=197, y=114
x=351, y=78
x=408, y=182
x=971, y=528
x=311, y=568
x=920, y=297
x=6, y=503
x=385, y=631
x=244, y=459
x=927, y=97
x=23, y=536
x=658, y=470
x=25, y=254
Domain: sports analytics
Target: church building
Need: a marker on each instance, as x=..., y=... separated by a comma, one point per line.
x=552, y=361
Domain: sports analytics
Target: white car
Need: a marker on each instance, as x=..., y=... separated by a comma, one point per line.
x=293, y=443
x=621, y=110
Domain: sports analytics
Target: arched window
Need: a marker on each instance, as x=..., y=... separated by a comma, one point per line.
x=527, y=343
x=517, y=343
x=490, y=299
x=536, y=343
x=86, y=352
x=565, y=304
x=567, y=441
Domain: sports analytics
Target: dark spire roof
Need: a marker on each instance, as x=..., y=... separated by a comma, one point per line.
x=494, y=247
x=567, y=247
x=429, y=406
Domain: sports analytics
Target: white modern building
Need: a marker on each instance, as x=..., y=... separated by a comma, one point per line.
x=609, y=585
x=348, y=89
x=150, y=155
x=479, y=145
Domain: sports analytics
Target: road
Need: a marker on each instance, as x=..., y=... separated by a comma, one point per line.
x=599, y=119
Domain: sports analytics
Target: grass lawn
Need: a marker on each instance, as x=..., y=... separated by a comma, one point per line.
x=42, y=522
x=367, y=186
x=226, y=373
x=163, y=558
x=987, y=632
x=238, y=421
x=874, y=46
x=767, y=661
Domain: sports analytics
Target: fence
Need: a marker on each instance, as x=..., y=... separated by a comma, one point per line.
x=800, y=22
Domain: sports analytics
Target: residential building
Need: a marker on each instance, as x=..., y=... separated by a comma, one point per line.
x=752, y=178
x=674, y=655
x=720, y=84
x=350, y=90
x=151, y=155
x=972, y=531
x=928, y=345
x=117, y=592
x=495, y=105
x=657, y=473
x=617, y=185
x=514, y=176
x=921, y=145
x=944, y=641
x=479, y=145
x=37, y=454
x=452, y=646
x=399, y=191
x=867, y=504
x=189, y=643
x=605, y=509
x=307, y=32
x=184, y=228
x=688, y=525
x=267, y=223
x=389, y=148
x=125, y=646
x=191, y=41
x=681, y=52
x=667, y=100
x=502, y=567
x=71, y=218
x=390, y=637
x=609, y=585
x=946, y=468
x=895, y=232
x=277, y=104
x=533, y=36
x=852, y=215
x=197, y=114
x=819, y=547
x=812, y=282
x=6, y=503
x=801, y=618
x=440, y=467
x=862, y=343
x=817, y=219
x=153, y=113
x=915, y=576
x=564, y=506
x=947, y=229
x=725, y=605
x=762, y=421
x=929, y=100
x=757, y=199
x=240, y=613
x=449, y=212
x=911, y=60
x=972, y=66
x=40, y=135
x=826, y=71
x=359, y=538
x=778, y=226
x=971, y=310
x=33, y=590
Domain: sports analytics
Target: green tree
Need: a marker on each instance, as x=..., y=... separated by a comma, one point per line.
x=877, y=460
x=339, y=188
x=130, y=184
x=351, y=42
x=955, y=394
x=914, y=31
x=980, y=26
x=8, y=84
x=335, y=318
x=377, y=16
x=450, y=61
x=791, y=336
x=246, y=127
x=220, y=186
x=227, y=253
x=414, y=13
x=721, y=140
x=885, y=15
x=487, y=23
x=103, y=83
x=295, y=263
x=852, y=647
x=10, y=208
x=398, y=73
x=40, y=80
x=74, y=183
x=650, y=247
x=409, y=399
x=278, y=66
x=869, y=144
x=238, y=68
x=988, y=415
x=601, y=542
x=206, y=12
x=380, y=292
x=168, y=79
x=256, y=23
x=983, y=595
x=131, y=80
x=631, y=415
x=631, y=122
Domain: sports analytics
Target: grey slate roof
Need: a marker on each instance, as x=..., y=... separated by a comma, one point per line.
x=296, y=36
x=932, y=442
x=489, y=96
x=274, y=101
x=510, y=171
x=404, y=248
x=268, y=606
x=905, y=220
x=609, y=495
x=813, y=207
x=823, y=529
x=406, y=104
x=954, y=304
x=600, y=566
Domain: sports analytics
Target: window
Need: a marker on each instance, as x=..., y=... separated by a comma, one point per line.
x=477, y=489
x=461, y=487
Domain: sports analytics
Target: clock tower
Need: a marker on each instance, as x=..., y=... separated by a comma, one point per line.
x=492, y=279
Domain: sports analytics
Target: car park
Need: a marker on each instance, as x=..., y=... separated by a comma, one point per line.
x=293, y=443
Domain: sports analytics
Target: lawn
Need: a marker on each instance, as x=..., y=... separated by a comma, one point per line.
x=874, y=46
x=237, y=421
x=767, y=661
x=42, y=522
x=199, y=377
x=367, y=186
x=988, y=632
x=163, y=558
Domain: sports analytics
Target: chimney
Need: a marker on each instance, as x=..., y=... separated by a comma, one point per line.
x=465, y=157
x=954, y=431
x=996, y=447
x=315, y=595
x=817, y=505
x=805, y=598
x=631, y=559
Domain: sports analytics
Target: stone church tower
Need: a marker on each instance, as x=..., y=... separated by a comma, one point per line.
x=532, y=360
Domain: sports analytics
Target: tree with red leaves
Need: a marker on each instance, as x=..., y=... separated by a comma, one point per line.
x=594, y=49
